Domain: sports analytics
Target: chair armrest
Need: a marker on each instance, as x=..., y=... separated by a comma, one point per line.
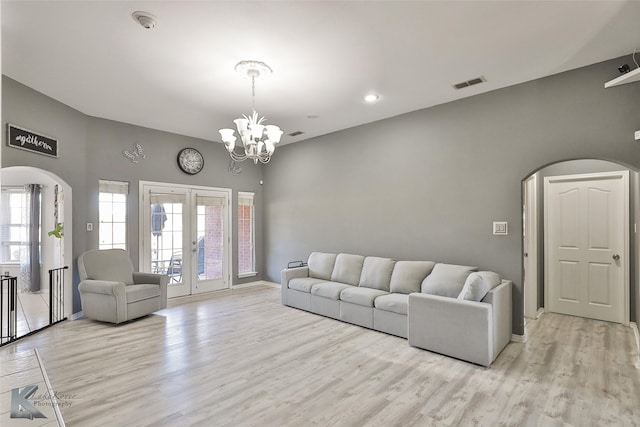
x=154, y=279
x=457, y=328
x=104, y=287
x=288, y=274
x=147, y=278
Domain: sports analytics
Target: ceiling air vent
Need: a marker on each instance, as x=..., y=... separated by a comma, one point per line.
x=296, y=133
x=468, y=83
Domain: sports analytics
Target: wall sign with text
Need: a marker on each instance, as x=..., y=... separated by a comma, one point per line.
x=31, y=141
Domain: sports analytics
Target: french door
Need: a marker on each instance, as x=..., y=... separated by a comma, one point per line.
x=185, y=235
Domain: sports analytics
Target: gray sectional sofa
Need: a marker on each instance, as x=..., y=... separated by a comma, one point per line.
x=449, y=309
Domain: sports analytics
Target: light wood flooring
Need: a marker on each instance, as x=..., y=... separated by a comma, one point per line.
x=239, y=358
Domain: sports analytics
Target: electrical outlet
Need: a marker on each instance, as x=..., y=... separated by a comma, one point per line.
x=89, y=226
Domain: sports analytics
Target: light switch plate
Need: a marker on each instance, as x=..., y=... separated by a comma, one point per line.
x=89, y=226
x=500, y=228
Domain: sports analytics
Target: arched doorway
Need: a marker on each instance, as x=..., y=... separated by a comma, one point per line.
x=55, y=207
x=533, y=254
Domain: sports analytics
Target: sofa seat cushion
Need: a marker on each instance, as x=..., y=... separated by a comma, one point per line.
x=321, y=265
x=407, y=276
x=347, y=269
x=376, y=273
x=329, y=289
x=141, y=292
x=361, y=296
x=304, y=284
x=446, y=280
x=396, y=303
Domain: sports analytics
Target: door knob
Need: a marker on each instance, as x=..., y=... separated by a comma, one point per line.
x=526, y=254
x=616, y=257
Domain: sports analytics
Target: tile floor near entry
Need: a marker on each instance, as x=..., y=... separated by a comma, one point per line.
x=32, y=311
x=21, y=370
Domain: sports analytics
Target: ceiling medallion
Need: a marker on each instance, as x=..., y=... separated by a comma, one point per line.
x=258, y=140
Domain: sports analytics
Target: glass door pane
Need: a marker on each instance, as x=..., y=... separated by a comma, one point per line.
x=168, y=223
x=210, y=236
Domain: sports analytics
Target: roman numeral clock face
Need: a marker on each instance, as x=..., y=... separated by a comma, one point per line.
x=190, y=161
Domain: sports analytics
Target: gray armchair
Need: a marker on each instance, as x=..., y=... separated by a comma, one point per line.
x=111, y=291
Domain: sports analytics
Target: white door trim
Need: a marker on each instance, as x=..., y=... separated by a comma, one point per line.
x=624, y=175
x=530, y=255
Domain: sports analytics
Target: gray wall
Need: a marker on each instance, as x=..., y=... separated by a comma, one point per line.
x=91, y=149
x=429, y=184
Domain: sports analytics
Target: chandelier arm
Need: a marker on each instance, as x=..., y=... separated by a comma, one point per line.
x=237, y=157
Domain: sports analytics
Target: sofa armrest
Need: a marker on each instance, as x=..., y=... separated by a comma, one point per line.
x=457, y=328
x=292, y=273
x=500, y=299
x=161, y=280
x=288, y=274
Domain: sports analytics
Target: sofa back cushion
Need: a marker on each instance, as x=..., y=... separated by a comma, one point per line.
x=321, y=265
x=347, y=269
x=446, y=280
x=478, y=284
x=376, y=273
x=407, y=276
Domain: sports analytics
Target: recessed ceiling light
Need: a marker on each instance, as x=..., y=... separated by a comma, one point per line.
x=371, y=98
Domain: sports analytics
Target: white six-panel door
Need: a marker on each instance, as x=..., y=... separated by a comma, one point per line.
x=586, y=245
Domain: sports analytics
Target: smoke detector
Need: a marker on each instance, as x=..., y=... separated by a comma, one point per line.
x=145, y=19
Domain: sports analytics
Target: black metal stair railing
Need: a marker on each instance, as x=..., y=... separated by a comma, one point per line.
x=56, y=295
x=8, y=308
x=9, y=304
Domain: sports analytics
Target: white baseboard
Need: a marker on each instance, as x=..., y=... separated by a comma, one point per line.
x=76, y=316
x=256, y=283
x=634, y=328
x=518, y=338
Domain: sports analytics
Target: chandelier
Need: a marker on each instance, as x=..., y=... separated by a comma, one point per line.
x=258, y=140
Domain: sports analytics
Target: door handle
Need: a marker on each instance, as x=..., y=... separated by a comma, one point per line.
x=616, y=257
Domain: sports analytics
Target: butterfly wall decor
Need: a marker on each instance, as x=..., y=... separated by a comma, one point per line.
x=137, y=152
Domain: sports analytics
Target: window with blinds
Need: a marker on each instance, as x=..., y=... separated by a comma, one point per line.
x=246, y=232
x=112, y=214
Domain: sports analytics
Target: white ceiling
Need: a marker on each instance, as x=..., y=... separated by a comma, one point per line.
x=179, y=77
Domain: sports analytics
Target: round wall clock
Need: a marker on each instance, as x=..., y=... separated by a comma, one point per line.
x=190, y=161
